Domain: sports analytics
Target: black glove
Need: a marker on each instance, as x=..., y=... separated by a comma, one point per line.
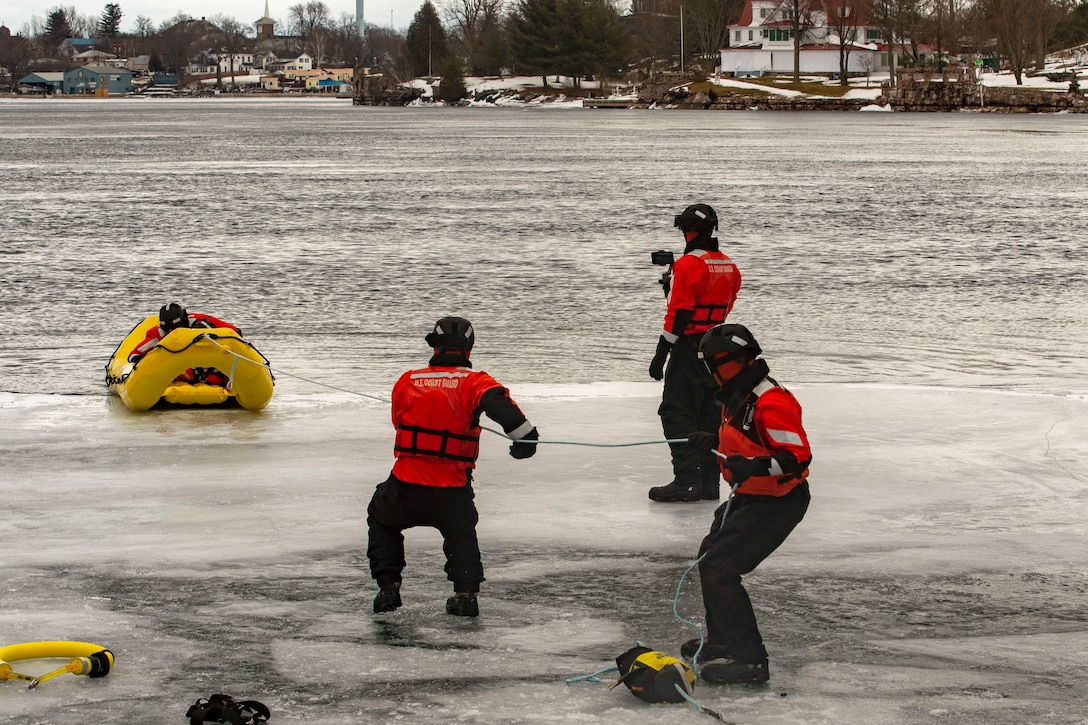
x=520, y=449
x=740, y=469
x=657, y=365
x=702, y=441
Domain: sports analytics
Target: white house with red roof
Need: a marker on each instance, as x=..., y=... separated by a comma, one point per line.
x=761, y=41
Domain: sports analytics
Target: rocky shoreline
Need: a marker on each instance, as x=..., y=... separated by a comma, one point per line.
x=920, y=92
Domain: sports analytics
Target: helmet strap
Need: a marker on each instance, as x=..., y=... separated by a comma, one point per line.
x=735, y=390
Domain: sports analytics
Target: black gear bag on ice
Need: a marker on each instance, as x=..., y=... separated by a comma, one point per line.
x=654, y=676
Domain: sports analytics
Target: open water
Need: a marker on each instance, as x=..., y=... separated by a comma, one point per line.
x=915, y=249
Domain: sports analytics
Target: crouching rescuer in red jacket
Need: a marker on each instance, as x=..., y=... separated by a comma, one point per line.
x=767, y=460
x=436, y=413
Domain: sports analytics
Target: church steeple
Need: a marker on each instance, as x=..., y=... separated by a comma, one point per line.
x=266, y=26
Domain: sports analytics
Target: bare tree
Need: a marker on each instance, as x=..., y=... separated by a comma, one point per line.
x=1047, y=16
x=233, y=39
x=655, y=32
x=16, y=52
x=708, y=21
x=846, y=18
x=1011, y=25
x=885, y=17
x=799, y=13
x=176, y=41
x=305, y=17
x=347, y=43
x=145, y=27
x=469, y=20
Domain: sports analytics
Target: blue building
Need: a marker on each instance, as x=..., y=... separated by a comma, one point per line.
x=98, y=80
x=42, y=82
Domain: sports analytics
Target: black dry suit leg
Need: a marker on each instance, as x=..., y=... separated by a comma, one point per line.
x=397, y=506
x=688, y=405
x=755, y=527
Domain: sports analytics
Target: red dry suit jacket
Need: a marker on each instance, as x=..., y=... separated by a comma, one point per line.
x=704, y=282
x=436, y=411
x=770, y=422
x=154, y=335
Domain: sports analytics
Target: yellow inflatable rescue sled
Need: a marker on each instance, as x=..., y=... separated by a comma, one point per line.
x=85, y=658
x=152, y=377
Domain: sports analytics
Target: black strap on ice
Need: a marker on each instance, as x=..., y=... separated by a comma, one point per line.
x=225, y=709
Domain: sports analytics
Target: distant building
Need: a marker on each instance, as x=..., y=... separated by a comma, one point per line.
x=761, y=41
x=97, y=80
x=72, y=46
x=266, y=26
x=42, y=82
x=293, y=63
x=94, y=57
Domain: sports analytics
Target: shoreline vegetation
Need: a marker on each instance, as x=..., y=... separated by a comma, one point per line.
x=914, y=91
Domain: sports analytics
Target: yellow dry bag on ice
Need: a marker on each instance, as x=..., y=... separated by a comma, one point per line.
x=654, y=676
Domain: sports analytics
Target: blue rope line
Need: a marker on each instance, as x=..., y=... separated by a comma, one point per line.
x=593, y=677
x=698, y=705
x=386, y=400
x=679, y=585
x=292, y=375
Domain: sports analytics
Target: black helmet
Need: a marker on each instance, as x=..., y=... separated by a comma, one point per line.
x=172, y=316
x=727, y=342
x=451, y=333
x=697, y=218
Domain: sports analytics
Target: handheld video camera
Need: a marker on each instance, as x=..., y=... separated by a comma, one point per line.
x=661, y=258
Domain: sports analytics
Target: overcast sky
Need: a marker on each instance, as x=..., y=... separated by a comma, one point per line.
x=16, y=13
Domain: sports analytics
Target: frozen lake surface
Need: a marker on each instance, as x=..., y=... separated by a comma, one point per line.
x=919, y=281
x=938, y=577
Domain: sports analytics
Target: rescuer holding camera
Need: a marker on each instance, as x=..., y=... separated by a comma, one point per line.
x=701, y=287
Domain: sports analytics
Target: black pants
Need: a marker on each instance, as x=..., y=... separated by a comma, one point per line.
x=397, y=506
x=754, y=528
x=688, y=405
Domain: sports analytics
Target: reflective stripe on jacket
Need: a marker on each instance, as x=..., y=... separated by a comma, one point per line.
x=770, y=425
x=436, y=412
x=706, y=283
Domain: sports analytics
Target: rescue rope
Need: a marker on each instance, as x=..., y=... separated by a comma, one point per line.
x=701, y=708
x=490, y=430
x=676, y=598
x=266, y=364
x=595, y=676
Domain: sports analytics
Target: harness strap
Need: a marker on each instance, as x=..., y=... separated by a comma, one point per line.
x=443, y=448
x=710, y=310
x=225, y=709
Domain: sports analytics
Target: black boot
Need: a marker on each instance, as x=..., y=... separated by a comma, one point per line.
x=675, y=491
x=388, y=598
x=729, y=671
x=710, y=483
x=463, y=604
x=710, y=651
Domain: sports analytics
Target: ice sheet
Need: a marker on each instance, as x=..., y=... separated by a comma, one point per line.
x=938, y=576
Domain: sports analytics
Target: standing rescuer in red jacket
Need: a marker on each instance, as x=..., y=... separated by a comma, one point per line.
x=703, y=287
x=436, y=413
x=767, y=460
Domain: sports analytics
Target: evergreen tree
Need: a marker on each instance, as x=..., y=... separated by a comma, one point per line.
x=109, y=23
x=426, y=41
x=58, y=28
x=493, y=53
x=536, y=37
x=452, y=88
x=596, y=43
